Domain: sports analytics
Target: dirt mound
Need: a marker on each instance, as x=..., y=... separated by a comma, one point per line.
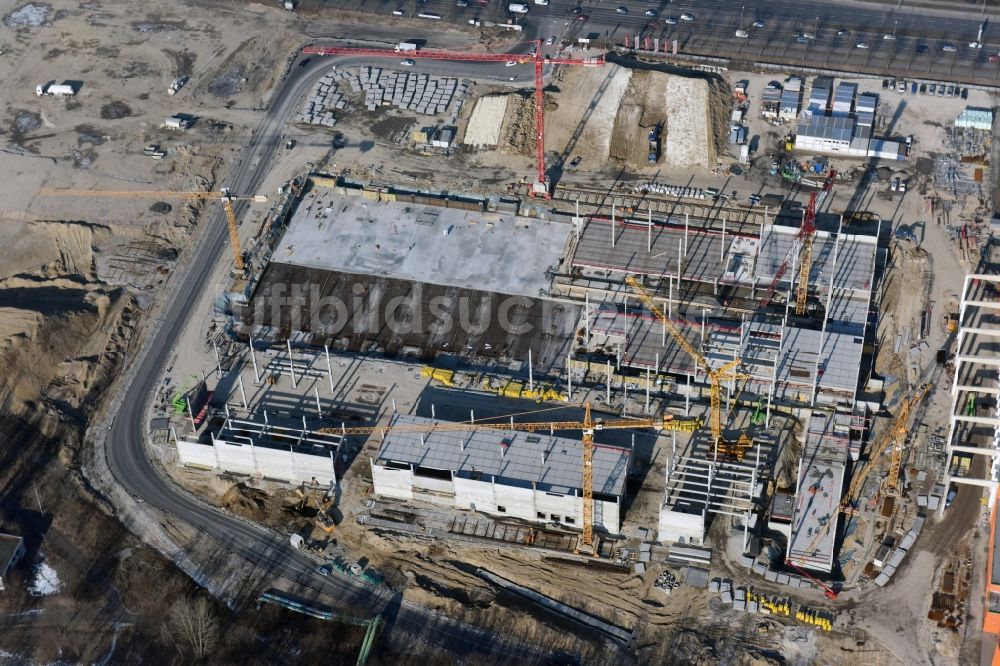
x=246, y=501
x=115, y=110
x=518, y=131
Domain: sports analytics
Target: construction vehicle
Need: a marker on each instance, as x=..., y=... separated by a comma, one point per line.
x=807, y=230
x=224, y=195
x=540, y=187
x=715, y=377
x=654, y=144
x=587, y=427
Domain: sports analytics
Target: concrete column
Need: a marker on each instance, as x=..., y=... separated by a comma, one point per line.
x=647, y=390
x=612, y=223
x=319, y=408
x=329, y=368
x=569, y=375
x=243, y=392
x=608, y=383
x=531, y=373
x=291, y=364
x=253, y=359
x=218, y=360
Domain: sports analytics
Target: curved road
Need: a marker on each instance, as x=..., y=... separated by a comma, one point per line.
x=269, y=553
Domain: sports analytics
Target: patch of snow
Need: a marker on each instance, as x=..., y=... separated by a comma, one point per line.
x=30, y=15
x=46, y=581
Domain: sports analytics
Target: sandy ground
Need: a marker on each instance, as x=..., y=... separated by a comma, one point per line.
x=483, y=129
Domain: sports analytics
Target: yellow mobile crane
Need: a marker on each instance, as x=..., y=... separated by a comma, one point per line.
x=224, y=195
x=587, y=427
x=715, y=377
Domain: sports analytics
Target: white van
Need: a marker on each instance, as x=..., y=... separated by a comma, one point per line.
x=517, y=8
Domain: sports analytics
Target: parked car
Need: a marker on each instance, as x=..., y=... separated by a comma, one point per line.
x=940, y=90
x=622, y=10
x=993, y=57
x=407, y=63
x=861, y=45
x=885, y=84
x=922, y=50
x=901, y=86
x=687, y=17
x=913, y=88
x=948, y=48
x=510, y=63
x=758, y=24
x=843, y=32
x=965, y=93
x=923, y=88
x=932, y=89
x=652, y=13
x=670, y=20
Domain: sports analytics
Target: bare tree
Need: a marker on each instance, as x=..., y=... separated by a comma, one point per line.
x=193, y=627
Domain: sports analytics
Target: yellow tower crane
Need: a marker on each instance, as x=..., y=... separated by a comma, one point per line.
x=224, y=195
x=894, y=436
x=715, y=377
x=587, y=427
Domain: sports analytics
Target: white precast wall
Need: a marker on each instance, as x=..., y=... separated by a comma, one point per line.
x=682, y=527
x=272, y=463
x=487, y=496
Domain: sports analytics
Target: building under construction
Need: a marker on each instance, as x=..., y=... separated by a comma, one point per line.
x=532, y=476
x=475, y=280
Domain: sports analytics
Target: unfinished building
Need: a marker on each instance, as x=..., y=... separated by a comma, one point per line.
x=820, y=481
x=974, y=423
x=524, y=475
x=262, y=446
x=415, y=275
x=699, y=271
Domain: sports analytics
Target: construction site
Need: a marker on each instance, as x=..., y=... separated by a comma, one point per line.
x=658, y=387
x=603, y=350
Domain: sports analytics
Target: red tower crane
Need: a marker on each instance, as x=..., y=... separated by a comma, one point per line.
x=541, y=185
x=803, y=242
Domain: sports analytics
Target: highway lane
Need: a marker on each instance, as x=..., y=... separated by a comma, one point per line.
x=713, y=31
x=265, y=551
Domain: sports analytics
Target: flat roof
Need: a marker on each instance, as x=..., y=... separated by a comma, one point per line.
x=818, y=492
x=551, y=463
x=707, y=256
x=853, y=268
x=834, y=128
x=839, y=358
x=424, y=243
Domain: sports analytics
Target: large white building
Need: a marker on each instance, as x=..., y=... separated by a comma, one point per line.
x=524, y=475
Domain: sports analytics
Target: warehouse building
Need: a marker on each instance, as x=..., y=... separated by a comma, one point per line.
x=531, y=476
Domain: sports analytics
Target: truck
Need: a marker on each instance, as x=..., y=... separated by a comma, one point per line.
x=654, y=144
x=405, y=46
x=178, y=122
x=517, y=8
x=176, y=85
x=56, y=89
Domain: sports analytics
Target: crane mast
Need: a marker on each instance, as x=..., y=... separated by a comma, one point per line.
x=587, y=427
x=715, y=377
x=540, y=187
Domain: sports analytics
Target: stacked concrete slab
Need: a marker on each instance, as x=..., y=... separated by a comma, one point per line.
x=423, y=93
x=323, y=100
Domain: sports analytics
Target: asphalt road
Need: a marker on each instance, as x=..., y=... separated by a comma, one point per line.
x=716, y=21
x=266, y=552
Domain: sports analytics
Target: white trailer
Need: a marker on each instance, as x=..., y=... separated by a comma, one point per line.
x=405, y=46
x=62, y=90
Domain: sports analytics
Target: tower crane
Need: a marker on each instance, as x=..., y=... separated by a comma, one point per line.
x=541, y=184
x=715, y=377
x=224, y=195
x=894, y=436
x=587, y=427
x=803, y=243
